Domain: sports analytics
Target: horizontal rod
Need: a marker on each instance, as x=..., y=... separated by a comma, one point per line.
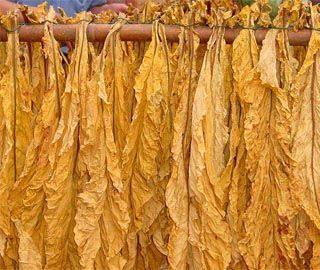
x=141, y=32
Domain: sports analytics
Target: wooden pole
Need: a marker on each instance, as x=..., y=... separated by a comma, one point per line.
x=142, y=32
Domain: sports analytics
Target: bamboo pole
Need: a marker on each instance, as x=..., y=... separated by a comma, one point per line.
x=142, y=32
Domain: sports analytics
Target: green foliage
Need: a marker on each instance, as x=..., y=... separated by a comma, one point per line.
x=273, y=3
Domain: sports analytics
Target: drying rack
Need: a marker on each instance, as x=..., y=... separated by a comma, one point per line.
x=141, y=32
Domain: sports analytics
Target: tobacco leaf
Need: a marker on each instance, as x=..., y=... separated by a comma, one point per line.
x=208, y=188
x=17, y=134
x=146, y=162
x=305, y=150
x=177, y=196
x=28, y=197
x=60, y=189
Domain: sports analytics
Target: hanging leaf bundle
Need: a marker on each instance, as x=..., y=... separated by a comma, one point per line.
x=149, y=155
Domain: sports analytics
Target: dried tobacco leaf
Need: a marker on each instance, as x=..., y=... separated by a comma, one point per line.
x=101, y=204
x=267, y=138
x=17, y=134
x=305, y=149
x=60, y=189
x=28, y=197
x=146, y=157
x=208, y=188
x=177, y=195
x=243, y=60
